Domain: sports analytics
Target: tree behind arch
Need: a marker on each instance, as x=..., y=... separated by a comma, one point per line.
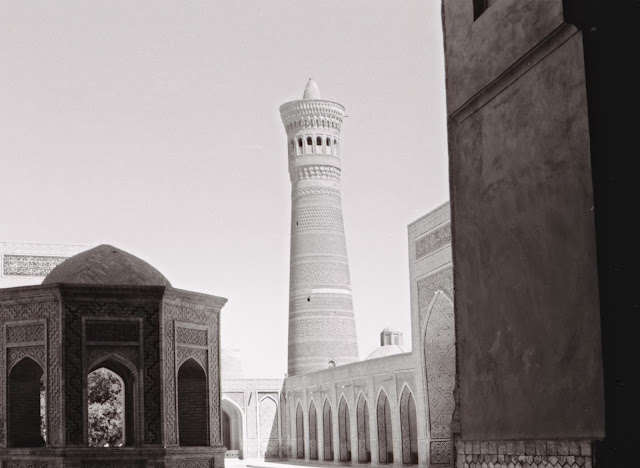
x=105, y=408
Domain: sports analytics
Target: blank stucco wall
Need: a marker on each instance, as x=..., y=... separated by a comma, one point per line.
x=526, y=291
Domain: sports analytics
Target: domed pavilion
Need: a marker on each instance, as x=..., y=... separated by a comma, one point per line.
x=106, y=308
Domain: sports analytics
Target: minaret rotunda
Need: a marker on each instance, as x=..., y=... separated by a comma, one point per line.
x=321, y=325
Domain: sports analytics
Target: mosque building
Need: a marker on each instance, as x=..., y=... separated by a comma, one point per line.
x=331, y=406
x=530, y=371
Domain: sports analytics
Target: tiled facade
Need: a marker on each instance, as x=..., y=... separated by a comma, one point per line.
x=162, y=342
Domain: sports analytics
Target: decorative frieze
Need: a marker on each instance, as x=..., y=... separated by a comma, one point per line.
x=191, y=336
x=25, y=333
x=29, y=265
x=433, y=241
x=116, y=331
x=315, y=172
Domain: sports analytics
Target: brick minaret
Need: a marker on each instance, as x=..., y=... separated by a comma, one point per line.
x=321, y=326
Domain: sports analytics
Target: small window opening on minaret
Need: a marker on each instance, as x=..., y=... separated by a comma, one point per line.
x=319, y=141
x=300, y=142
x=309, y=141
x=335, y=142
x=328, y=141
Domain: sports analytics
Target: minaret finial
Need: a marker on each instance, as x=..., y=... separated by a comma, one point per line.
x=311, y=91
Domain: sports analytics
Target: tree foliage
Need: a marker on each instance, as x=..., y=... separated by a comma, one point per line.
x=106, y=409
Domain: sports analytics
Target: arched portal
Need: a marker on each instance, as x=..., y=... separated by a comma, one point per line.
x=299, y=432
x=344, y=430
x=23, y=403
x=110, y=387
x=385, y=436
x=440, y=363
x=193, y=405
x=327, y=430
x=313, y=432
x=106, y=397
x=409, y=428
x=232, y=429
x=364, y=435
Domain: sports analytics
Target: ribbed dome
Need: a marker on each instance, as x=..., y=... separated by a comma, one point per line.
x=311, y=91
x=106, y=265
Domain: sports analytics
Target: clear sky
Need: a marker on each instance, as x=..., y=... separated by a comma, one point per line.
x=154, y=126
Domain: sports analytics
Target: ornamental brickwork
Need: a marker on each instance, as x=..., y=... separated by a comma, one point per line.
x=162, y=342
x=321, y=325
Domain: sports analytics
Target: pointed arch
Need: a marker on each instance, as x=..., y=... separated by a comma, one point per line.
x=327, y=430
x=344, y=430
x=233, y=422
x=268, y=427
x=385, y=435
x=299, y=431
x=313, y=431
x=127, y=373
x=23, y=404
x=193, y=405
x=440, y=364
x=364, y=435
x=268, y=415
x=408, y=427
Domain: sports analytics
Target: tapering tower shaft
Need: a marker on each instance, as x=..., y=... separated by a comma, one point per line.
x=321, y=323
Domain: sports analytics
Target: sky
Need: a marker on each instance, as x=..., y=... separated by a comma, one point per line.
x=153, y=126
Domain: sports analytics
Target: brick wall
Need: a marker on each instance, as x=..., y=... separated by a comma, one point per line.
x=192, y=405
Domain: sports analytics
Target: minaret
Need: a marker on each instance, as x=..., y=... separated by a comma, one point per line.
x=322, y=330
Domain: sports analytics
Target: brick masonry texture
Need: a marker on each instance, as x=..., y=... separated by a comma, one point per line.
x=524, y=454
x=318, y=247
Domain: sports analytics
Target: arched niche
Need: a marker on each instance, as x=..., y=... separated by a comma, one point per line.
x=344, y=430
x=193, y=405
x=440, y=363
x=313, y=431
x=127, y=373
x=364, y=434
x=327, y=430
x=299, y=432
x=23, y=404
x=408, y=427
x=385, y=434
x=233, y=428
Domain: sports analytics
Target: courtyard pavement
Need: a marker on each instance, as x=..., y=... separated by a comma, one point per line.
x=235, y=463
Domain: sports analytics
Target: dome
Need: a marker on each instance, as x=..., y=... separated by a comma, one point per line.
x=387, y=350
x=311, y=91
x=106, y=265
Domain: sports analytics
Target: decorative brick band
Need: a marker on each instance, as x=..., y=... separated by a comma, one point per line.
x=315, y=172
x=524, y=454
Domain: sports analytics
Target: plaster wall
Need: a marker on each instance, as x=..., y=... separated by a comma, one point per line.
x=526, y=292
